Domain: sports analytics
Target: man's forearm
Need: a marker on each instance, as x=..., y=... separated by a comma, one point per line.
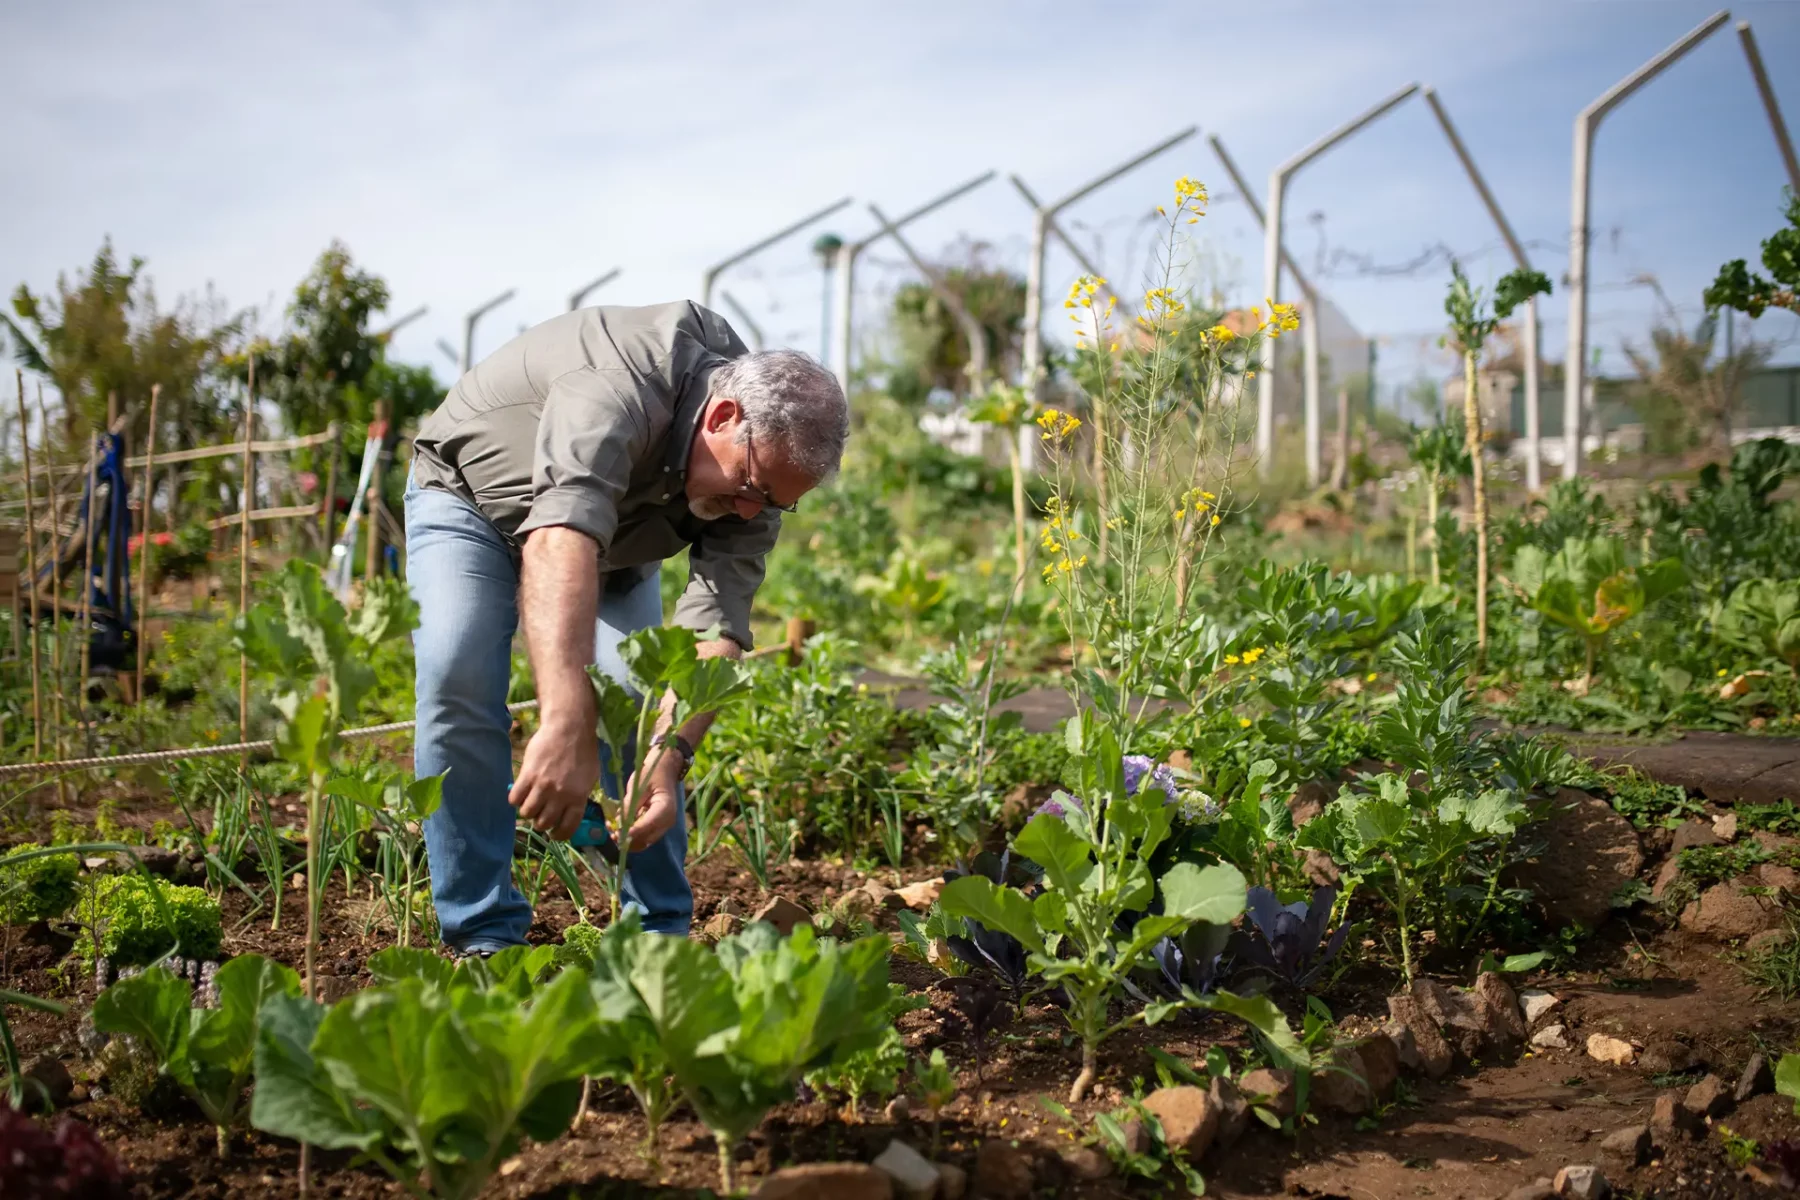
x=559, y=594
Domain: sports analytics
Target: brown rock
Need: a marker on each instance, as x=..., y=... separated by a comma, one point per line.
x=922, y=895
x=1434, y=1052
x=898, y=1109
x=1002, y=1170
x=885, y=898
x=1690, y=834
x=1782, y=879
x=720, y=925
x=1613, y=1051
x=1666, y=875
x=1381, y=1063
x=1340, y=1084
x=1630, y=1145
x=1589, y=853
x=953, y=1181
x=827, y=1181
x=1756, y=1080
x=1458, y=1017
x=48, y=1084
x=1270, y=1088
x=1234, y=1111
x=1086, y=1163
x=1670, y=1121
x=1711, y=1097
x=1664, y=1055
x=1774, y=843
x=1189, y=1120
x=783, y=914
x=1727, y=911
x=730, y=907
x=1503, y=1024
x=1581, y=1182
x=1309, y=800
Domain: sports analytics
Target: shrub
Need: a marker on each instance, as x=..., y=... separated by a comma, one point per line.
x=38, y=889
x=123, y=913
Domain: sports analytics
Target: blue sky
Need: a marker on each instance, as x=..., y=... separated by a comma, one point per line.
x=460, y=149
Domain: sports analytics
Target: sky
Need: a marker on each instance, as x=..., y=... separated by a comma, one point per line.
x=462, y=149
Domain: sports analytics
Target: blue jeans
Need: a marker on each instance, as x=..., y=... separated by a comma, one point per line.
x=466, y=583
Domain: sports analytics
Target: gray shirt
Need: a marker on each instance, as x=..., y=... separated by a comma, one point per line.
x=586, y=421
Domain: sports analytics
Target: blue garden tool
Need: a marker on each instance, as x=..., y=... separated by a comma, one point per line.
x=593, y=835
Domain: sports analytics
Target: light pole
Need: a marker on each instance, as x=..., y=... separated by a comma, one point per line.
x=713, y=272
x=1265, y=392
x=847, y=254
x=468, y=346
x=1533, y=462
x=582, y=293
x=825, y=248
x=743, y=318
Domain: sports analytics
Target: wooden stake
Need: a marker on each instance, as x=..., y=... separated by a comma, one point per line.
x=56, y=590
x=327, y=506
x=143, y=607
x=372, y=562
x=37, y=686
x=244, y=554
x=85, y=652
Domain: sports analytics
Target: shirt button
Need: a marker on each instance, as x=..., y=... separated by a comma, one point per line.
x=665, y=495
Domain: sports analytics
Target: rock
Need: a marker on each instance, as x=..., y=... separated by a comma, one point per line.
x=1692, y=833
x=1756, y=1080
x=1666, y=875
x=1537, y=1189
x=915, y=1178
x=1774, y=843
x=720, y=925
x=1727, y=911
x=48, y=1084
x=1782, y=879
x=1711, y=1097
x=1136, y=1137
x=1381, y=1063
x=1670, y=1120
x=1309, y=800
x=1581, y=1182
x=885, y=898
x=953, y=1181
x=1666, y=1056
x=1614, y=1051
x=1768, y=939
x=1458, y=1017
x=1086, y=1163
x=827, y=1181
x=1504, y=1027
x=1433, y=1051
x=1550, y=1037
x=1189, y=1120
x=1340, y=1086
x=1630, y=1145
x=1589, y=853
x=1002, y=1170
x=730, y=907
x=1725, y=826
x=921, y=896
x=1234, y=1111
x=1535, y=1004
x=898, y=1109
x=783, y=914
x=1270, y=1088
x=156, y=860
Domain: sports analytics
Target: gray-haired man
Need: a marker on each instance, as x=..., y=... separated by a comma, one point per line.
x=546, y=490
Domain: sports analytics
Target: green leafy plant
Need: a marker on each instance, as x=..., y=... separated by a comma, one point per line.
x=1587, y=587
x=1787, y=1079
x=1740, y=1151
x=1763, y=617
x=1441, y=453
x=1738, y=287
x=208, y=1051
x=1009, y=410
x=135, y=919
x=1154, y=1157
x=16, y=1081
x=399, y=808
x=36, y=887
x=934, y=1086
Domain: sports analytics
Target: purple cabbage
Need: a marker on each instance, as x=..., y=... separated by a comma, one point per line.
x=993, y=950
x=1289, y=942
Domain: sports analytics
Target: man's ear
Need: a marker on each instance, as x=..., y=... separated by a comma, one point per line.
x=722, y=413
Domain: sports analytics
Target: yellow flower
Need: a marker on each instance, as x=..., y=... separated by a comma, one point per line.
x=1252, y=654
x=1232, y=660
x=1371, y=677
x=1187, y=189
x=1222, y=334
x=1723, y=672
x=1215, y=519
x=1243, y=722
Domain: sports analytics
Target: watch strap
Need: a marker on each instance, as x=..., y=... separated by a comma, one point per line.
x=680, y=745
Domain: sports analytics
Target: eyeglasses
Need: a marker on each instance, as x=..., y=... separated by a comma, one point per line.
x=750, y=491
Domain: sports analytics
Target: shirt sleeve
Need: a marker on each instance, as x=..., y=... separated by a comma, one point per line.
x=725, y=567
x=592, y=428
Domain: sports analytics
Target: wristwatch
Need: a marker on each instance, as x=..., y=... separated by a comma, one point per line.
x=674, y=741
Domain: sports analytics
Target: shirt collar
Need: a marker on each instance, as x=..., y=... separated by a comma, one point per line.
x=686, y=422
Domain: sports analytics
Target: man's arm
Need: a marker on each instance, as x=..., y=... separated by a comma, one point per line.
x=661, y=806
x=559, y=592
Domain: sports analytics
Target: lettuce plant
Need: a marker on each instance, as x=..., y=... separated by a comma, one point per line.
x=208, y=1051
x=1587, y=587
x=1763, y=617
x=37, y=887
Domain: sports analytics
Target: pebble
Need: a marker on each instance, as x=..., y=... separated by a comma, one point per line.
x=1550, y=1037
x=1536, y=1003
x=1604, y=1048
x=1631, y=1144
x=827, y=1181
x=1756, y=1079
x=1581, y=1182
x=1711, y=1097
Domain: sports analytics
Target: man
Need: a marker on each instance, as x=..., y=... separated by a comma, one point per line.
x=546, y=490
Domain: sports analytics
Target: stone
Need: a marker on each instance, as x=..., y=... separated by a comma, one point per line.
x=1728, y=911
x=1768, y=939
x=921, y=896
x=729, y=906
x=1503, y=1025
x=1381, y=1063
x=1234, y=1111
x=1611, y=1050
x=1402, y=1038
x=1309, y=800
x=1459, y=1018
x=1692, y=833
x=1630, y=1145
x=1534, y=1004
x=156, y=860
x=1550, y=1037
x=1270, y=1088
x=783, y=914
x=1778, y=877
x=1665, y=1055
x=1711, y=1097
x=720, y=925
x=914, y=1176
x=1339, y=1084
x=48, y=1083
x=953, y=1181
x=1002, y=1171
x=1725, y=826
x=885, y=898
x=827, y=1181
x=898, y=1109
x=1581, y=1182
x=1757, y=1079
x=1666, y=875
x=1433, y=1051
x=1670, y=1120
x=1086, y=1163
x=1189, y=1120
x=1537, y=1189
x=1590, y=852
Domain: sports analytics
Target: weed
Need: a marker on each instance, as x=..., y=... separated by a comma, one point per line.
x=1775, y=968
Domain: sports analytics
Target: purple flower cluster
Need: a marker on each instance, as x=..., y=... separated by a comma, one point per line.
x=1139, y=765
x=1058, y=805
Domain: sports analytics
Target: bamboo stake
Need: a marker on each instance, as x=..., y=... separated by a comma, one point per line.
x=85, y=651
x=144, y=550
x=244, y=553
x=372, y=560
x=327, y=505
x=56, y=589
x=37, y=686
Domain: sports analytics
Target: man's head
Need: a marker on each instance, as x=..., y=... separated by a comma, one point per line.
x=773, y=428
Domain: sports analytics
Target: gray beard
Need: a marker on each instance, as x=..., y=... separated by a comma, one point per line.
x=712, y=508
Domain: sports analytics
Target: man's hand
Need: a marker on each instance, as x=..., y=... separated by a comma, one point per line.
x=561, y=768
x=659, y=805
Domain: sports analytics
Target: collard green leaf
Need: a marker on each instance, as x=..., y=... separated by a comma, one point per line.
x=294, y=1096
x=659, y=657
x=1494, y=812
x=1261, y=1014
x=222, y=1041
x=374, y=1047
x=1213, y=894
x=152, y=1007
x=407, y=962
x=1048, y=841
x=616, y=712
x=1001, y=908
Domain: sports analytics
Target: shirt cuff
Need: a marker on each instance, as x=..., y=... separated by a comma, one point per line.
x=573, y=508
x=700, y=609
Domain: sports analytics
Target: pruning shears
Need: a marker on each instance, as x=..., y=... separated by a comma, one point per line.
x=592, y=834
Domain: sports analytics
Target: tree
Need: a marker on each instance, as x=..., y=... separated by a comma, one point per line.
x=315, y=371
x=933, y=350
x=1681, y=370
x=1736, y=287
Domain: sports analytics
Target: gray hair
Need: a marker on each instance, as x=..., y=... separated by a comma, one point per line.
x=791, y=402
